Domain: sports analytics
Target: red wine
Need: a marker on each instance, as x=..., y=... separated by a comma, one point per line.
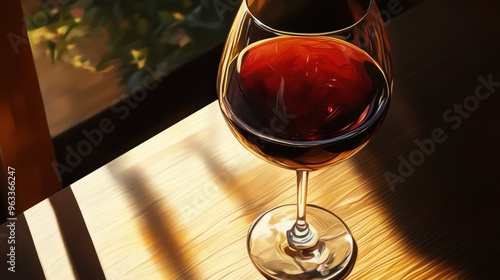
x=304, y=102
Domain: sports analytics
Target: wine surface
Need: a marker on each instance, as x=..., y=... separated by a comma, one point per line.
x=304, y=102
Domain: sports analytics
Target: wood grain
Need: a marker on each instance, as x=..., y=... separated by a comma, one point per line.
x=179, y=205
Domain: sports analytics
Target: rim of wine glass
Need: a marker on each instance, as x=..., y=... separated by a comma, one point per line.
x=333, y=32
x=334, y=139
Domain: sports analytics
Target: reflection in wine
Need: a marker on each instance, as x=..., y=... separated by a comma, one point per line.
x=287, y=96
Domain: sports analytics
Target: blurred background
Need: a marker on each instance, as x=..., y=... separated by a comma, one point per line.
x=90, y=55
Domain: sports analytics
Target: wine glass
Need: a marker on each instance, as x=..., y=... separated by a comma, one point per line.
x=304, y=85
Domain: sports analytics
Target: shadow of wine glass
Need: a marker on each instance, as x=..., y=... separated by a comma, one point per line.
x=255, y=189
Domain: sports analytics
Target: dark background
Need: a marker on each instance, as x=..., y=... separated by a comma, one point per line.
x=181, y=93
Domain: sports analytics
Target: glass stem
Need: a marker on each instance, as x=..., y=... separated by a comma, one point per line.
x=301, y=236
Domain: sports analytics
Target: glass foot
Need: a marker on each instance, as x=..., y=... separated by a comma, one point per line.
x=332, y=257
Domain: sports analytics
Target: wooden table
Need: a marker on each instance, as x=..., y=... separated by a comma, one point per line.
x=421, y=199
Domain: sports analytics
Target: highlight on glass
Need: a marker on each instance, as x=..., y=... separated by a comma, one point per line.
x=304, y=85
